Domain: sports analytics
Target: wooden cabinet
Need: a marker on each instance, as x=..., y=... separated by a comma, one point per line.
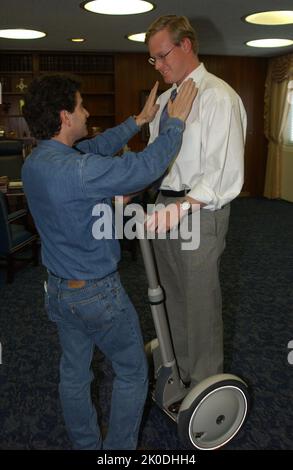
x=16, y=72
x=95, y=71
x=99, y=99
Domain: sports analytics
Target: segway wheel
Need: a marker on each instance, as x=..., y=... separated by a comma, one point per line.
x=213, y=412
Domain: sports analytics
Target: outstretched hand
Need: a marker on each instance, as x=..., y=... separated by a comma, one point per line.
x=150, y=108
x=181, y=106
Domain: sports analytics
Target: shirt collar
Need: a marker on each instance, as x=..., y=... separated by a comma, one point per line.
x=197, y=75
x=54, y=144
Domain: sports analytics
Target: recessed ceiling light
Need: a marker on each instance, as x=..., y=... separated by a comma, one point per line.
x=19, y=33
x=271, y=17
x=117, y=7
x=77, y=39
x=138, y=37
x=270, y=43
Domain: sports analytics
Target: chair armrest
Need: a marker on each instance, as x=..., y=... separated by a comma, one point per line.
x=17, y=215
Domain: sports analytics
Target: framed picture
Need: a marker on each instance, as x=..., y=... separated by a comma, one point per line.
x=145, y=130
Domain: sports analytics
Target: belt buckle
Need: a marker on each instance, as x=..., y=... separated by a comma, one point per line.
x=74, y=284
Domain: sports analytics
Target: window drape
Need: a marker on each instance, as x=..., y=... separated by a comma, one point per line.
x=280, y=72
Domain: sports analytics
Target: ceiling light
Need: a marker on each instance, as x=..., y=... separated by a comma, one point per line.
x=77, y=39
x=117, y=7
x=270, y=43
x=21, y=34
x=271, y=17
x=139, y=37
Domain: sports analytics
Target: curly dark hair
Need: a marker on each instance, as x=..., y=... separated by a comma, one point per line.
x=45, y=98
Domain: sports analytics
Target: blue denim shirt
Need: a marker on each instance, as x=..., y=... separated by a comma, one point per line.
x=63, y=186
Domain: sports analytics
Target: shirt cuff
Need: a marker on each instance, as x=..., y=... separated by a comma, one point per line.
x=174, y=123
x=131, y=124
x=205, y=195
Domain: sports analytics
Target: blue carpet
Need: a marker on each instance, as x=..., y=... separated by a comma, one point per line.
x=257, y=281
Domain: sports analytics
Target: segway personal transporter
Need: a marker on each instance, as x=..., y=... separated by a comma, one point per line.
x=212, y=412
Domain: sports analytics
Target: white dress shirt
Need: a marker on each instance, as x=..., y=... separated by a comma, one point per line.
x=210, y=162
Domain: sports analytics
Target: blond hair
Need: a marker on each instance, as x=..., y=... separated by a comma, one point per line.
x=178, y=26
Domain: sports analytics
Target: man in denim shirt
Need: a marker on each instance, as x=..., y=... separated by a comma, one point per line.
x=84, y=295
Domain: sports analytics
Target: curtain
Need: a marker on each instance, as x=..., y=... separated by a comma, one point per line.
x=280, y=72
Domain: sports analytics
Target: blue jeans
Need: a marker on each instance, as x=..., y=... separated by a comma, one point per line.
x=100, y=313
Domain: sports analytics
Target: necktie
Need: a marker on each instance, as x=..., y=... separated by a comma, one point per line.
x=165, y=115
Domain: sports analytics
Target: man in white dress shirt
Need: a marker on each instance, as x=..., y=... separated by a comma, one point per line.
x=208, y=172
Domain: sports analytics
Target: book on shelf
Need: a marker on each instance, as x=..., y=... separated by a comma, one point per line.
x=15, y=184
x=3, y=184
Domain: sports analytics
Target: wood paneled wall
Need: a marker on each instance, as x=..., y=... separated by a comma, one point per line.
x=245, y=74
x=133, y=75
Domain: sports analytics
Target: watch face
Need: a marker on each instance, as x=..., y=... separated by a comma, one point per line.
x=185, y=205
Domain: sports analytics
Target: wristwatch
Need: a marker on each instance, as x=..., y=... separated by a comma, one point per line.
x=186, y=206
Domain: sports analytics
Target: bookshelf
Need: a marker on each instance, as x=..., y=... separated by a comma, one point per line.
x=16, y=72
x=95, y=71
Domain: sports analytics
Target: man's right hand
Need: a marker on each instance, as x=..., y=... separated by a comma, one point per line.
x=181, y=106
x=150, y=108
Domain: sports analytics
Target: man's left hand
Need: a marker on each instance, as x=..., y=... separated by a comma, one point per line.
x=168, y=217
x=165, y=219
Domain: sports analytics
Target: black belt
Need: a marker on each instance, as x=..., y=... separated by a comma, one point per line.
x=169, y=193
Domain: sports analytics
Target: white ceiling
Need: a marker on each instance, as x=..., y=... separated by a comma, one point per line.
x=220, y=28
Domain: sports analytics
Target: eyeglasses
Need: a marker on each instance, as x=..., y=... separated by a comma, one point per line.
x=162, y=57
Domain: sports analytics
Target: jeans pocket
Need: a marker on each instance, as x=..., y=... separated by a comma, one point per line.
x=48, y=308
x=46, y=302
x=96, y=313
